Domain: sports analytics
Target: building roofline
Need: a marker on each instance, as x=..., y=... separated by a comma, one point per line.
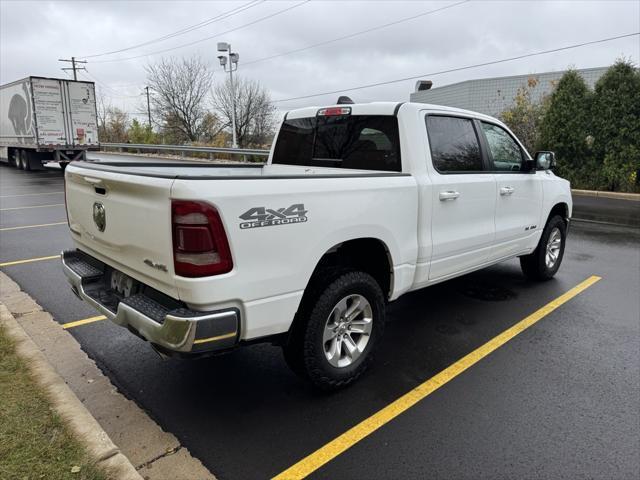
x=524, y=75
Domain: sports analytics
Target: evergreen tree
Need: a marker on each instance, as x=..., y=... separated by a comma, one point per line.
x=565, y=129
x=616, y=126
x=139, y=133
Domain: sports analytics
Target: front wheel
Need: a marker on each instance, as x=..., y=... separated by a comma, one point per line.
x=341, y=327
x=545, y=260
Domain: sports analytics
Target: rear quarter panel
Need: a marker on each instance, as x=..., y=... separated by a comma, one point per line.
x=273, y=264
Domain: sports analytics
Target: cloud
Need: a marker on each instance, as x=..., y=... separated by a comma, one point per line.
x=35, y=34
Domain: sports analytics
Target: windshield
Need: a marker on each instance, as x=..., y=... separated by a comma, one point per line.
x=363, y=142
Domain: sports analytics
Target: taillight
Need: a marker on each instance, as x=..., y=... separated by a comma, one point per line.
x=200, y=246
x=334, y=111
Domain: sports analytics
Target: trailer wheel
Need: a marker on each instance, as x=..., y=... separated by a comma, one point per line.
x=25, y=160
x=18, y=157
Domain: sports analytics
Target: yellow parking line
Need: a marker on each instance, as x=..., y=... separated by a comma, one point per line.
x=213, y=339
x=6, y=229
x=30, y=194
x=331, y=450
x=28, y=260
x=32, y=206
x=77, y=323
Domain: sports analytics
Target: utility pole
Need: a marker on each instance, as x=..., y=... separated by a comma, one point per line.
x=148, y=106
x=231, y=59
x=73, y=62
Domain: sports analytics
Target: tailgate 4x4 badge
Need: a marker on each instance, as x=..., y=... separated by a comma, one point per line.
x=268, y=217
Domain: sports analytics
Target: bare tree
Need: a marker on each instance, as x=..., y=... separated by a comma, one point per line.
x=180, y=87
x=525, y=116
x=255, y=114
x=113, y=122
x=117, y=124
x=101, y=112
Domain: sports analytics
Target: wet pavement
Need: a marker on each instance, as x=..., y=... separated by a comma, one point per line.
x=558, y=401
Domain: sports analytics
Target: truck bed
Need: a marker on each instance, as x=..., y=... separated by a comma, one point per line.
x=120, y=213
x=237, y=171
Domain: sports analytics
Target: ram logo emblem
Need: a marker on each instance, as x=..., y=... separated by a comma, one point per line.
x=99, y=216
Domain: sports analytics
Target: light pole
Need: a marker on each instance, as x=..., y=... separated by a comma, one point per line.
x=148, y=107
x=231, y=59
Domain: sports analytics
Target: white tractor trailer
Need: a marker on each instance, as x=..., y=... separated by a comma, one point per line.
x=46, y=120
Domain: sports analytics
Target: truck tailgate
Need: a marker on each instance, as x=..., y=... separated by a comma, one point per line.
x=124, y=222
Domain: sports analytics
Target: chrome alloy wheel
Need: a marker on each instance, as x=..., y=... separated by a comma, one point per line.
x=347, y=330
x=553, y=247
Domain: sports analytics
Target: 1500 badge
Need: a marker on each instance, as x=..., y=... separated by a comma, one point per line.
x=268, y=217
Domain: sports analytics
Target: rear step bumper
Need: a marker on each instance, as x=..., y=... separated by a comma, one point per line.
x=163, y=321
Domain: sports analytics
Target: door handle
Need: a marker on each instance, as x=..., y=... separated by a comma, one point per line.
x=93, y=181
x=449, y=195
x=506, y=191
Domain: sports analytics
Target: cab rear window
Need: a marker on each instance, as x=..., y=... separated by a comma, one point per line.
x=363, y=142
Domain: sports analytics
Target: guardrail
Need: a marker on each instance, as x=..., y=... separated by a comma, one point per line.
x=187, y=149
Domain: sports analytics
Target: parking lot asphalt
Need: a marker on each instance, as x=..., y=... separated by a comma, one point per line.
x=560, y=400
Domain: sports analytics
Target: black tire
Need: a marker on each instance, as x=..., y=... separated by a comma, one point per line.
x=305, y=351
x=19, y=164
x=534, y=265
x=26, y=165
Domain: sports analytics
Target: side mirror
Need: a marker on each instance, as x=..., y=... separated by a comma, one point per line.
x=545, y=160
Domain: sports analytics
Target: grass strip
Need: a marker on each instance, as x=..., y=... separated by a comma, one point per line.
x=34, y=441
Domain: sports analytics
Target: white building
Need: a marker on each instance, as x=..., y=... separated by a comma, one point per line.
x=492, y=96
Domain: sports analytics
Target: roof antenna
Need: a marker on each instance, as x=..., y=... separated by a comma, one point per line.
x=344, y=100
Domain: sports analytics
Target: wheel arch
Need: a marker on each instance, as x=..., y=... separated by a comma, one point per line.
x=560, y=208
x=368, y=254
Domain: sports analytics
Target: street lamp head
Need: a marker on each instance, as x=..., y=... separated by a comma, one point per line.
x=223, y=60
x=223, y=46
x=234, y=57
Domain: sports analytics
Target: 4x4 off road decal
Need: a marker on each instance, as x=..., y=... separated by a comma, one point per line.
x=268, y=217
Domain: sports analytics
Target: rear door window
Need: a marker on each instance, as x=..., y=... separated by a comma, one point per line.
x=454, y=144
x=363, y=142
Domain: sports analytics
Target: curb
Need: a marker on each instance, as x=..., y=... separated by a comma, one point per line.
x=603, y=222
x=634, y=197
x=119, y=429
x=83, y=425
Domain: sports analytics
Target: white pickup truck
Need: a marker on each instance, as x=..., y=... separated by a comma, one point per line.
x=357, y=205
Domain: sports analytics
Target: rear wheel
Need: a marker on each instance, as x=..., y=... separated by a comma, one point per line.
x=338, y=332
x=19, y=163
x=545, y=260
x=24, y=160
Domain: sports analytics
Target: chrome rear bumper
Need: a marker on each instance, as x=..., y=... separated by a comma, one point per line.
x=165, y=323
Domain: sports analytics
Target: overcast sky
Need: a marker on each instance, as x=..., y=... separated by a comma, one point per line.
x=35, y=34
